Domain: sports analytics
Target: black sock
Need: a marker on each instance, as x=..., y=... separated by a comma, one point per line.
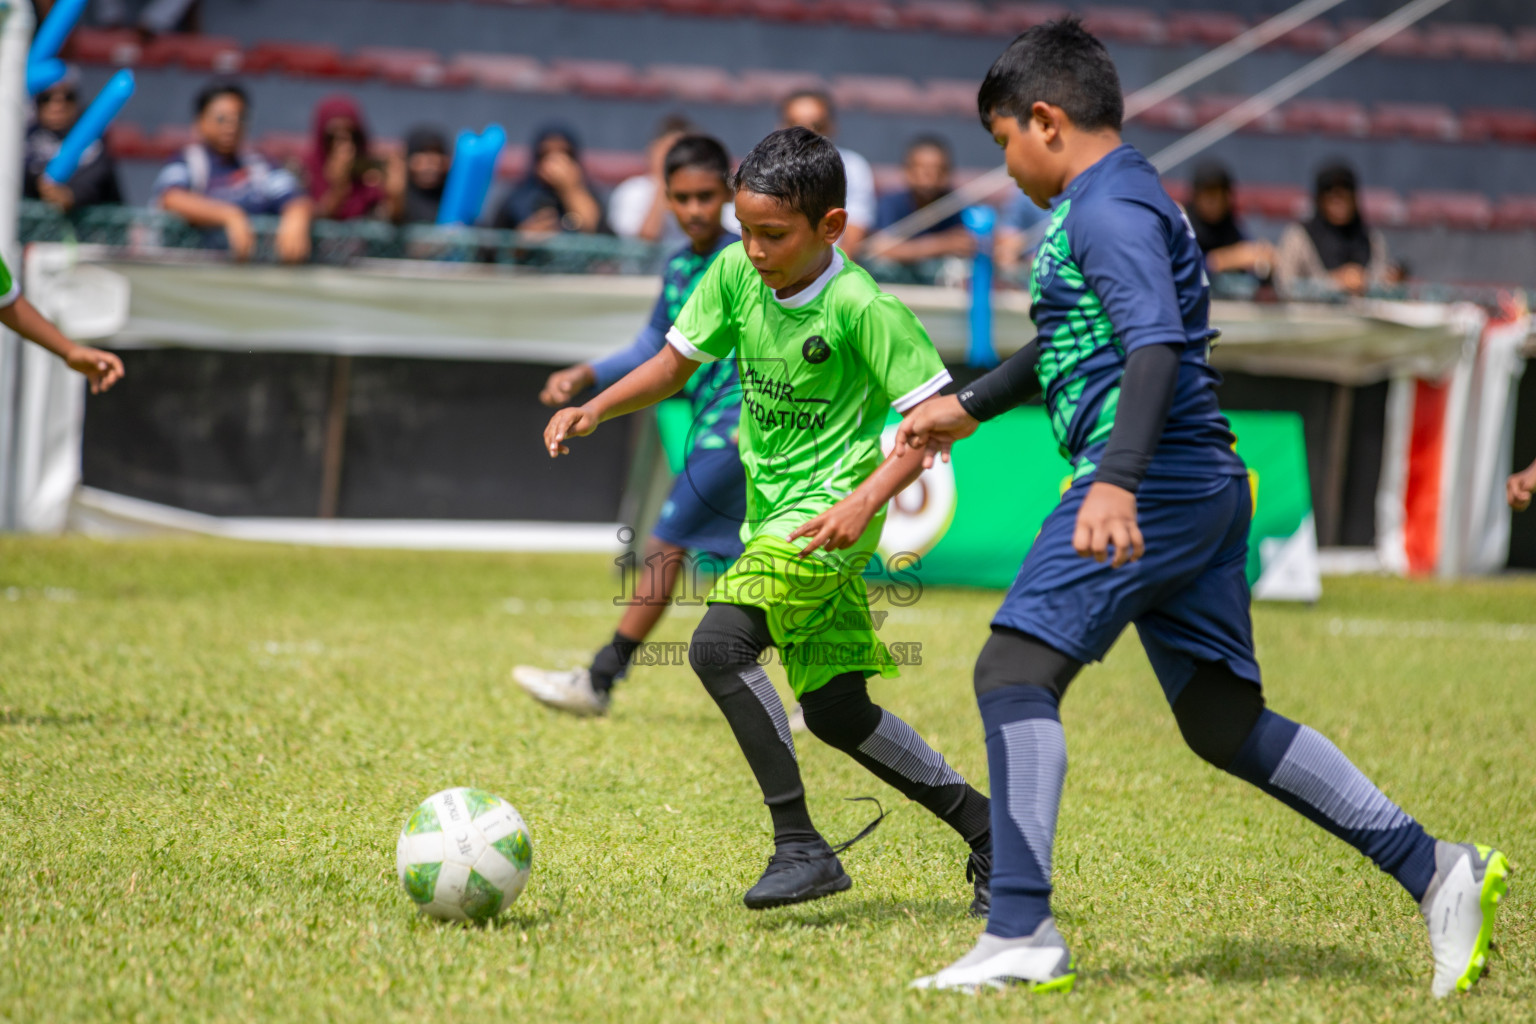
x=612, y=661
x=841, y=714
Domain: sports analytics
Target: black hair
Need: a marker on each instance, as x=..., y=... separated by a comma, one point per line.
x=701, y=151
x=425, y=139
x=799, y=168
x=1336, y=174
x=213, y=90
x=1060, y=63
x=1211, y=174
x=819, y=95
x=930, y=141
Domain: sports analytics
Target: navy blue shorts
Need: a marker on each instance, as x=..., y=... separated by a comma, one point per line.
x=1188, y=596
x=707, y=504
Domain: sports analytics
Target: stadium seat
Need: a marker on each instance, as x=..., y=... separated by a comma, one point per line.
x=602, y=78
x=128, y=142
x=1013, y=18
x=1313, y=37
x=1126, y=24
x=1525, y=44
x=117, y=47
x=1407, y=43
x=1271, y=202
x=1383, y=207
x=1325, y=117
x=787, y=10
x=609, y=167
x=1469, y=211
x=701, y=8
x=218, y=54
x=503, y=72
x=759, y=85
x=1208, y=108
x=1471, y=42
x=694, y=84
x=315, y=60
x=884, y=94
x=945, y=16
x=407, y=66
x=283, y=147
x=1172, y=114
x=1206, y=28
x=1429, y=122
x=1515, y=213
x=168, y=140
x=864, y=13
x=1480, y=124
x=952, y=96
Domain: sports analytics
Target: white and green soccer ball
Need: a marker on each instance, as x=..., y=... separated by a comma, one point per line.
x=464, y=855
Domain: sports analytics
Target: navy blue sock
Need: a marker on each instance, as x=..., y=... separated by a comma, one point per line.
x=1302, y=769
x=1027, y=761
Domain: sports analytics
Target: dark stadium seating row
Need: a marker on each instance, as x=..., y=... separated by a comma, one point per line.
x=1382, y=206
x=1445, y=40
x=891, y=94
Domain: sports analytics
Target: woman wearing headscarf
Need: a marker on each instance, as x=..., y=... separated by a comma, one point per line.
x=344, y=180
x=553, y=196
x=417, y=181
x=1335, y=250
x=1213, y=214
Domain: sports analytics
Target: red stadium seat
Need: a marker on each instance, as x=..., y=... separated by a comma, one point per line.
x=612, y=5
x=951, y=96
x=1271, y=202
x=128, y=142
x=1127, y=24
x=1525, y=44
x=694, y=84
x=1325, y=117
x=410, y=67
x=315, y=60
x=1172, y=114
x=1468, y=211
x=1382, y=207
x=609, y=167
x=1515, y=213
x=1313, y=37
x=886, y=94
x=219, y=54
x=1429, y=122
x=168, y=140
x=602, y=78
x=1477, y=42
x=1206, y=28
x=1480, y=124
x=1013, y=18
x=866, y=13
x=945, y=16
x=786, y=10
x=1209, y=108
x=701, y=8
x=118, y=47
x=1407, y=43
x=762, y=86
x=284, y=147
x=503, y=72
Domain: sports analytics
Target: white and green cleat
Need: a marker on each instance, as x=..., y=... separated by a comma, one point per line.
x=1040, y=962
x=568, y=690
x=1459, y=906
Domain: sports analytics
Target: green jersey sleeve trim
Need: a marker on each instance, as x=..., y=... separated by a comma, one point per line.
x=687, y=348
x=10, y=288
x=927, y=389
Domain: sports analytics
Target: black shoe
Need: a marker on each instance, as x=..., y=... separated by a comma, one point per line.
x=978, y=871
x=797, y=874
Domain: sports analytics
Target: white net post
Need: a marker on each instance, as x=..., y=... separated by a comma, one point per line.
x=17, y=21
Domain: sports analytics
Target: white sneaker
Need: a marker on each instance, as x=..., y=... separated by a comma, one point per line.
x=1040, y=961
x=570, y=690
x=1459, y=906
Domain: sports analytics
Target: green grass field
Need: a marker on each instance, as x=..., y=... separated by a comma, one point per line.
x=208, y=750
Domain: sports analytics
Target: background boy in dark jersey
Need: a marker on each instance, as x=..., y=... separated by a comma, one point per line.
x=1153, y=530
x=703, y=512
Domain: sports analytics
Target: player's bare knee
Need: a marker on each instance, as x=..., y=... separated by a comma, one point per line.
x=1216, y=712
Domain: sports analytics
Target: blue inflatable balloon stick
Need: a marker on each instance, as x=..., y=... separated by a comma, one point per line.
x=483, y=168
x=450, y=207
x=981, y=220
x=44, y=73
x=91, y=126
x=43, y=66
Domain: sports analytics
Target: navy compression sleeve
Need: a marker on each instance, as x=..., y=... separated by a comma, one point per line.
x=1146, y=394
x=1008, y=385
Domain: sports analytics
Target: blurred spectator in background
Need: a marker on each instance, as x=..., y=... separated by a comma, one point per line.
x=1212, y=213
x=1335, y=251
x=812, y=108
x=553, y=196
x=638, y=208
x=928, y=175
x=154, y=17
x=345, y=180
x=416, y=182
x=1016, y=237
x=94, y=182
x=217, y=183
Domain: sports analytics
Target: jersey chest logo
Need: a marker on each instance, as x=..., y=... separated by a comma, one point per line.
x=816, y=350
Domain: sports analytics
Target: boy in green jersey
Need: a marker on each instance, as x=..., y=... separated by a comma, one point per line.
x=102, y=369
x=821, y=354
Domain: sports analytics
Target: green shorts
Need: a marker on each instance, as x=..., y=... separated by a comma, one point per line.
x=819, y=616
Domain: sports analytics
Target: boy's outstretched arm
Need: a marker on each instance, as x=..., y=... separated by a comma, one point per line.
x=661, y=376
x=102, y=369
x=844, y=523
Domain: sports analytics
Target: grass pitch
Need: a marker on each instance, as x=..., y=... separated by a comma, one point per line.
x=208, y=750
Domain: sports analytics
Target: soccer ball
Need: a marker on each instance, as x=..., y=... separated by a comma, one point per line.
x=464, y=855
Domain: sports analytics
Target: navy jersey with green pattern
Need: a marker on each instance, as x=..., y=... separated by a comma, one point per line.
x=1119, y=268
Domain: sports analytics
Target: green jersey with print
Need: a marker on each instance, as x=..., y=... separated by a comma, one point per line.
x=818, y=371
x=10, y=288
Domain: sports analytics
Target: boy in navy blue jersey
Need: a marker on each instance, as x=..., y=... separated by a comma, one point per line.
x=709, y=499
x=1153, y=530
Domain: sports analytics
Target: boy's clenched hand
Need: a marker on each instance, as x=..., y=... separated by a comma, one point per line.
x=577, y=421
x=1108, y=519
